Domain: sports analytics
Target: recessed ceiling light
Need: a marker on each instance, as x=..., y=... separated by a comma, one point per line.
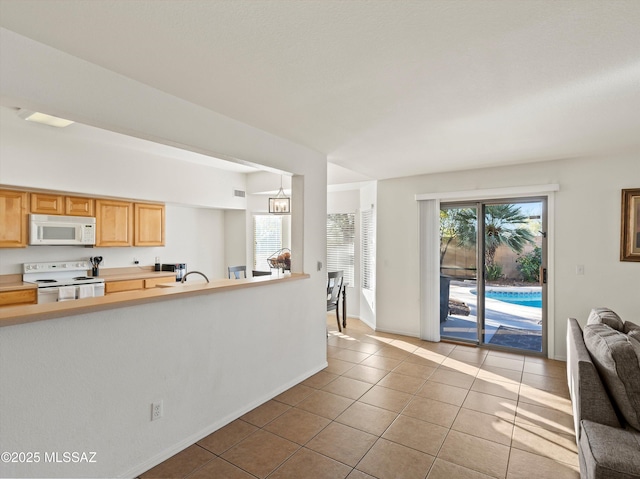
x=43, y=118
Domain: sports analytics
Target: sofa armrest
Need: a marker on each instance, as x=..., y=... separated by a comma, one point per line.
x=589, y=397
x=609, y=452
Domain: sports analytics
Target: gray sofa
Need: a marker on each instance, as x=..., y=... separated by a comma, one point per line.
x=603, y=371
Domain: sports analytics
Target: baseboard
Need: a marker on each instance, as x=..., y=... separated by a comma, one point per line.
x=411, y=334
x=368, y=323
x=355, y=316
x=173, y=450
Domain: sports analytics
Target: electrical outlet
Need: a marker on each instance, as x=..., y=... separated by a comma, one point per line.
x=135, y=260
x=580, y=269
x=156, y=410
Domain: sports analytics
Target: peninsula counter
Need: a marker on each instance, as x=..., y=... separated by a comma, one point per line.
x=13, y=315
x=83, y=375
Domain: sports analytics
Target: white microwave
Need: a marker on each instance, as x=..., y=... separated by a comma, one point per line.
x=62, y=230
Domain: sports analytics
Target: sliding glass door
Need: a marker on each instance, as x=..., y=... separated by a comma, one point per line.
x=458, y=272
x=493, y=273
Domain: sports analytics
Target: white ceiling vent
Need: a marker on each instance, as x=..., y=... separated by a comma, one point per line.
x=238, y=193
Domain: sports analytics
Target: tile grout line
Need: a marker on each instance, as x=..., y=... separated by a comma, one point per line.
x=405, y=360
x=450, y=428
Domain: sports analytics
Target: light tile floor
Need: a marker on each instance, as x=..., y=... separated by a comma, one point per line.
x=394, y=407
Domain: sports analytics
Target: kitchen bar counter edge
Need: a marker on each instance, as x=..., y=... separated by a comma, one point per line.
x=14, y=315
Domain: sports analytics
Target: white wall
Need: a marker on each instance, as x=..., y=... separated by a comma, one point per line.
x=86, y=383
x=70, y=159
x=343, y=201
x=587, y=232
x=235, y=239
x=41, y=78
x=264, y=181
x=193, y=235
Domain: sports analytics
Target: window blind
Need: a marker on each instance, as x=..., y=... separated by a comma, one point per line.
x=267, y=239
x=341, y=244
x=368, y=245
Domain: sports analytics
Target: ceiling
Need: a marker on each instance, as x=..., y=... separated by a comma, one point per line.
x=383, y=88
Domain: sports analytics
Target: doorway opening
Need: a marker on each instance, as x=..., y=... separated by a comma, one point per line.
x=493, y=273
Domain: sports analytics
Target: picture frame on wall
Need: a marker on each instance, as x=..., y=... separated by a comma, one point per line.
x=630, y=225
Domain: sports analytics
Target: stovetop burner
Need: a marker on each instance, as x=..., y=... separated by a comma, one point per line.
x=82, y=278
x=46, y=281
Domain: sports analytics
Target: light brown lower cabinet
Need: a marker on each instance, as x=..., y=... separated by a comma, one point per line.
x=120, y=286
x=135, y=284
x=22, y=296
x=153, y=282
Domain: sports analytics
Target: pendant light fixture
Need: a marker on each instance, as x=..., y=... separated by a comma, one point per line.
x=281, y=204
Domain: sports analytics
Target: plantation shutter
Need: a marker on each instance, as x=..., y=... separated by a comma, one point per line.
x=267, y=239
x=341, y=244
x=368, y=250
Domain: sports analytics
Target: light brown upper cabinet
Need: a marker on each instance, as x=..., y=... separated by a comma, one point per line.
x=48, y=204
x=114, y=223
x=149, y=225
x=76, y=206
x=45, y=204
x=13, y=219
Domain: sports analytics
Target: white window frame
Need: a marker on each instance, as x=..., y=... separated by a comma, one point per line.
x=274, y=244
x=341, y=245
x=368, y=246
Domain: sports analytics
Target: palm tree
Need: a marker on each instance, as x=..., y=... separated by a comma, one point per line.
x=505, y=224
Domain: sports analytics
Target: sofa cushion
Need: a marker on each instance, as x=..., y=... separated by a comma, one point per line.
x=605, y=316
x=636, y=346
x=589, y=398
x=632, y=330
x=609, y=452
x=617, y=362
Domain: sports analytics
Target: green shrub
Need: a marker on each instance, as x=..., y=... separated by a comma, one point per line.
x=494, y=272
x=529, y=265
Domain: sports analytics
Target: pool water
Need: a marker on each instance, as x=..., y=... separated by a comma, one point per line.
x=523, y=298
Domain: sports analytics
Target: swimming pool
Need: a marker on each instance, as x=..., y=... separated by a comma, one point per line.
x=523, y=298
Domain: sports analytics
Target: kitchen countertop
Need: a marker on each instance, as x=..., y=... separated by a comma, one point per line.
x=16, y=286
x=13, y=315
x=13, y=282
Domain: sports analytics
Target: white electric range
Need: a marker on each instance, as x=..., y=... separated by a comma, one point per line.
x=62, y=281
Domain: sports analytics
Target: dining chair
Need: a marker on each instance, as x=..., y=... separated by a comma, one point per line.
x=334, y=287
x=236, y=270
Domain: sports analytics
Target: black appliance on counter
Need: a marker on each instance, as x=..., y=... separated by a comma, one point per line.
x=179, y=268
